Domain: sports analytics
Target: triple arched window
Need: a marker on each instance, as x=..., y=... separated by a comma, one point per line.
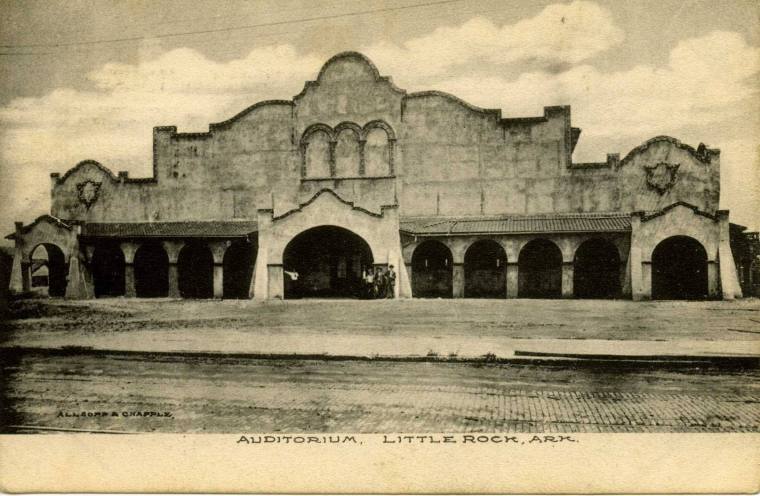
x=348, y=150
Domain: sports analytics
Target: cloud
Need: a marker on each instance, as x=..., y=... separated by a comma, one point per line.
x=707, y=82
x=561, y=33
x=185, y=71
x=113, y=121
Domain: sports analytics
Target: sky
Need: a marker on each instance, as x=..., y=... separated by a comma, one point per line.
x=89, y=80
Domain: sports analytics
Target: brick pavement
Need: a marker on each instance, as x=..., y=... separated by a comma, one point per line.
x=311, y=396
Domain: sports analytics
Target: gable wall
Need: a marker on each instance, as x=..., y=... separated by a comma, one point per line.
x=449, y=158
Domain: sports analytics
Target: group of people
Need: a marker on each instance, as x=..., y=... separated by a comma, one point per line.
x=378, y=283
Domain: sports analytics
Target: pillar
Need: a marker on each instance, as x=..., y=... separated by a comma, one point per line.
x=218, y=249
x=567, y=279
x=172, y=251
x=20, y=277
x=458, y=280
x=174, y=281
x=276, y=284
x=129, y=249
x=218, y=281
x=726, y=275
x=405, y=281
x=625, y=277
x=129, y=280
x=640, y=290
x=646, y=280
x=512, y=280
x=260, y=281
x=79, y=284
x=713, y=280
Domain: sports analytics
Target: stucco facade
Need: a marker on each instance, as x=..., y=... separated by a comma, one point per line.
x=401, y=171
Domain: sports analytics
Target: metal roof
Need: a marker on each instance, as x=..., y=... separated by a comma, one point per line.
x=184, y=229
x=515, y=224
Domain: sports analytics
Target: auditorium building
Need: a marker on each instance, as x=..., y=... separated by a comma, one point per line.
x=355, y=173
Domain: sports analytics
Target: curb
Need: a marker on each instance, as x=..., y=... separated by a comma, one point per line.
x=521, y=358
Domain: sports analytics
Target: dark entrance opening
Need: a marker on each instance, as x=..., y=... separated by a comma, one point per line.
x=195, y=271
x=52, y=258
x=151, y=265
x=328, y=260
x=239, y=259
x=432, y=270
x=108, y=270
x=540, y=270
x=596, y=271
x=485, y=265
x=679, y=270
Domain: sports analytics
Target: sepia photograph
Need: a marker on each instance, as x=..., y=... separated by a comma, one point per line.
x=448, y=221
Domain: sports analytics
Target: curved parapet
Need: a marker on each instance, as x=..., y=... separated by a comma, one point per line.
x=453, y=99
x=702, y=153
x=353, y=64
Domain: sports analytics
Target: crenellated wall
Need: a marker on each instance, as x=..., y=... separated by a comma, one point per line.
x=353, y=131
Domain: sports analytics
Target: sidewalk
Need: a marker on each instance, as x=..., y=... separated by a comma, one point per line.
x=434, y=329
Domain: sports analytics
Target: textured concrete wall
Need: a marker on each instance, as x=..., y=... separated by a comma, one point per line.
x=432, y=152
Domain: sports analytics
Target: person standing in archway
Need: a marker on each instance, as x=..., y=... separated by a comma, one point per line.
x=390, y=285
x=379, y=286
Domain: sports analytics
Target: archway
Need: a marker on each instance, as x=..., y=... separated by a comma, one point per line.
x=195, y=271
x=238, y=265
x=679, y=269
x=596, y=270
x=151, y=267
x=108, y=270
x=485, y=265
x=50, y=257
x=540, y=270
x=432, y=271
x=328, y=261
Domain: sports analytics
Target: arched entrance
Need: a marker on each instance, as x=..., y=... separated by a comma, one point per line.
x=151, y=267
x=238, y=269
x=432, y=271
x=108, y=270
x=679, y=269
x=47, y=257
x=539, y=269
x=485, y=265
x=195, y=271
x=596, y=270
x=328, y=260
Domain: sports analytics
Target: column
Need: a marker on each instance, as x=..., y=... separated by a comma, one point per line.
x=625, y=277
x=174, y=280
x=129, y=280
x=512, y=280
x=172, y=251
x=410, y=277
x=726, y=276
x=458, y=280
x=129, y=249
x=260, y=281
x=20, y=277
x=567, y=279
x=218, y=281
x=713, y=281
x=639, y=290
x=646, y=280
x=218, y=249
x=79, y=284
x=276, y=289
